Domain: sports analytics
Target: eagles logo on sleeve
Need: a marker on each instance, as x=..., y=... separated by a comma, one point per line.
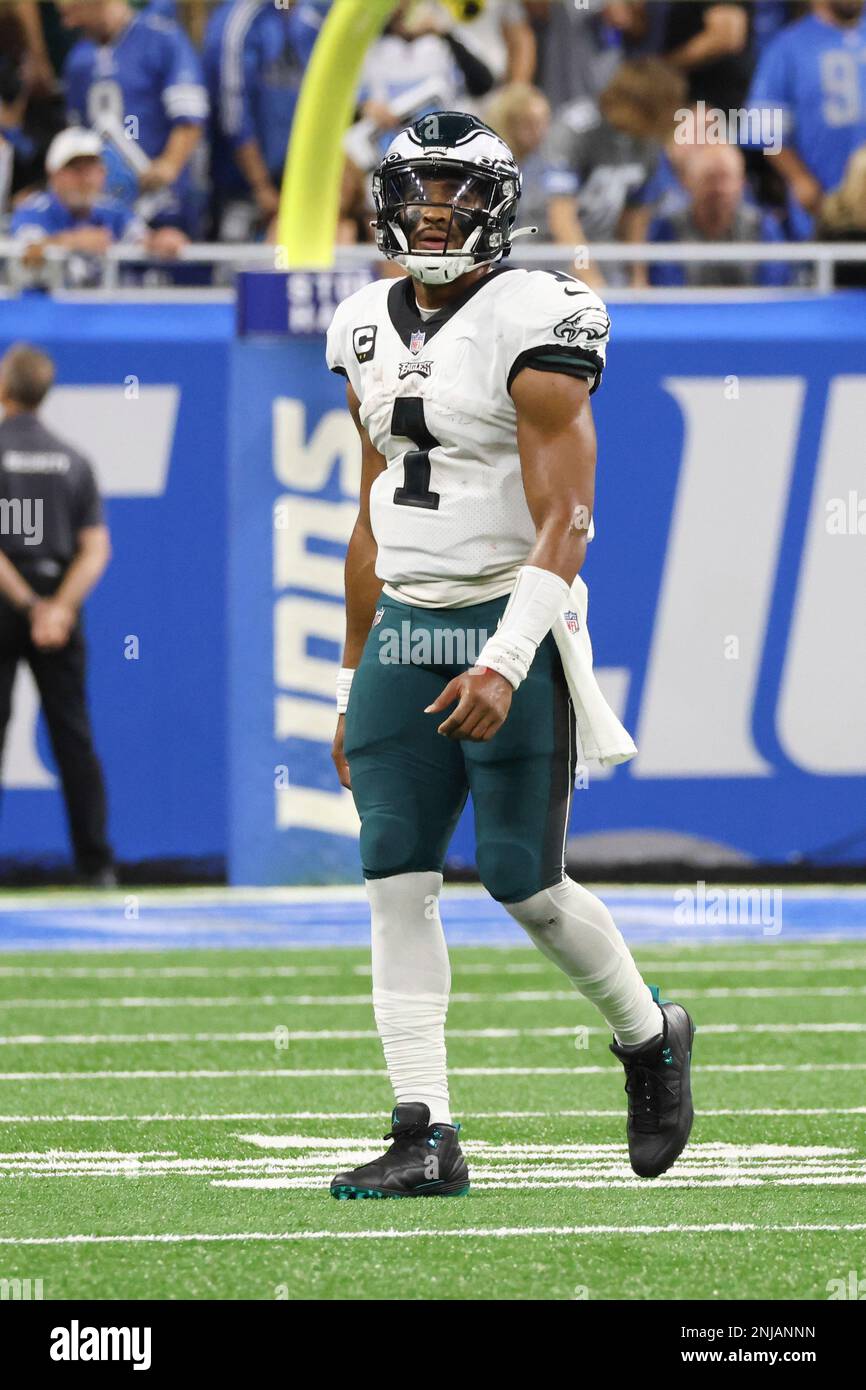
x=588, y=325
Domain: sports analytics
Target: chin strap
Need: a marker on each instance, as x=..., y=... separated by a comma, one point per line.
x=441, y=268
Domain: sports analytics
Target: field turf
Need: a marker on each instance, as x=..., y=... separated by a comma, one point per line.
x=169, y=1122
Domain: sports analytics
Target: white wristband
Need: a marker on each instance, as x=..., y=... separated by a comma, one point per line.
x=345, y=675
x=537, y=599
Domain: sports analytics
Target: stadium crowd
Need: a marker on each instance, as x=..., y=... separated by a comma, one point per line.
x=156, y=124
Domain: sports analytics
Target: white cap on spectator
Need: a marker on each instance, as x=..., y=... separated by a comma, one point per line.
x=71, y=144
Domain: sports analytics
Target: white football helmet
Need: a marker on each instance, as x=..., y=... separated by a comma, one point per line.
x=446, y=197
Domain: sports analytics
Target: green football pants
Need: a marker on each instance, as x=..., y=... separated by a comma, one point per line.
x=410, y=783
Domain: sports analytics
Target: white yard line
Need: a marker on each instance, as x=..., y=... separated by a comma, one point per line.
x=170, y=972
x=370, y=1034
x=294, y=1073
x=525, y=1184
x=709, y=1152
x=234, y=1116
x=339, y=1001
x=463, y=1233
x=794, y=964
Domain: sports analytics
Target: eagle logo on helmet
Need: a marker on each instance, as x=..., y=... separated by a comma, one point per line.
x=453, y=162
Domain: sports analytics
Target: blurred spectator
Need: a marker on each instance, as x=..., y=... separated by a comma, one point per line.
x=665, y=192
x=255, y=57
x=843, y=212
x=419, y=46
x=715, y=180
x=520, y=113
x=578, y=46
x=75, y=213
x=601, y=158
x=31, y=112
x=20, y=164
x=815, y=73
x=137, y=80
x=502, y=38
x=710, y=44
x=843, y=217
x=418, y=64
x=768, y=19
x=41, y=75
x=51, y=557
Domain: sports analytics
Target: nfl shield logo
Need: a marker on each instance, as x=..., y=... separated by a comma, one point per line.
x=378, y=616
x=571, y=620
x=416, y=342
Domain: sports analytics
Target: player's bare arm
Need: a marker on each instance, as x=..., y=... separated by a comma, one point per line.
x=362, y=586
x=556, y=439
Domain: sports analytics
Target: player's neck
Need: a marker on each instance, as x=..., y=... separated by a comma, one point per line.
x=437, y=296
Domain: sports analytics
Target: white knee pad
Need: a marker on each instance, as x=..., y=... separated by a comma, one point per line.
x=574, y=929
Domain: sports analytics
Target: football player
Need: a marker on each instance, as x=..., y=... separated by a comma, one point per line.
x=469, y=383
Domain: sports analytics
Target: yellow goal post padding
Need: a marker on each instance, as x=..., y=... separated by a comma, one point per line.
x=310, y=196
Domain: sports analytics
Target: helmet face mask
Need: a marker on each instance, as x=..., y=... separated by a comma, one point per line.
x=445, y=208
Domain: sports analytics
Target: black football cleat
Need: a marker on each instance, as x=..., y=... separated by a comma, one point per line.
x=658, y=1086
x=424, y=1161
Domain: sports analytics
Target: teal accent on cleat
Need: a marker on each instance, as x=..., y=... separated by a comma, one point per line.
x=424, y=1160
x=345, y=1193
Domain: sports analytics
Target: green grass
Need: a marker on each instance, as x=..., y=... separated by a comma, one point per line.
x=187, y=1131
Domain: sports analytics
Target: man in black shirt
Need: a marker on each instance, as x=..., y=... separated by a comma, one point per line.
x=709, y=42
x=54, y=547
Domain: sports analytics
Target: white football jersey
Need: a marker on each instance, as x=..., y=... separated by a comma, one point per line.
x=449, y=512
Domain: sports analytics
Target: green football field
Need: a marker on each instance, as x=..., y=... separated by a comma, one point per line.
x=170, y=1122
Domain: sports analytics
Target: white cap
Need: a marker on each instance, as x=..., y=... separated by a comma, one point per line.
x=71, y=144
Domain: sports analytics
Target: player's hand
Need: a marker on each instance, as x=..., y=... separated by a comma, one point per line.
x=337, y=753
x=483, y=701
x=51, y=623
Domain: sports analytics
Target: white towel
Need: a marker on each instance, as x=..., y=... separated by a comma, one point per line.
x=602, y=738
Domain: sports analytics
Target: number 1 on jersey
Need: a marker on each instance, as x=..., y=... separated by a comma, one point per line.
x=408, y=422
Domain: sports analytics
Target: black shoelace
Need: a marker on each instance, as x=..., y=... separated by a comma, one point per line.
x=643, y=1086
x=414, y=1132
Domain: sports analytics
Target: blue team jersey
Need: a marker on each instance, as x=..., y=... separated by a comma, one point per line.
x=255, y=56
x=43, y=213
x=816, y=73
x=134, y=90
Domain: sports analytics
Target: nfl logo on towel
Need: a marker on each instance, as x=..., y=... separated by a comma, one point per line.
x=571, y=620
x=416, y=342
